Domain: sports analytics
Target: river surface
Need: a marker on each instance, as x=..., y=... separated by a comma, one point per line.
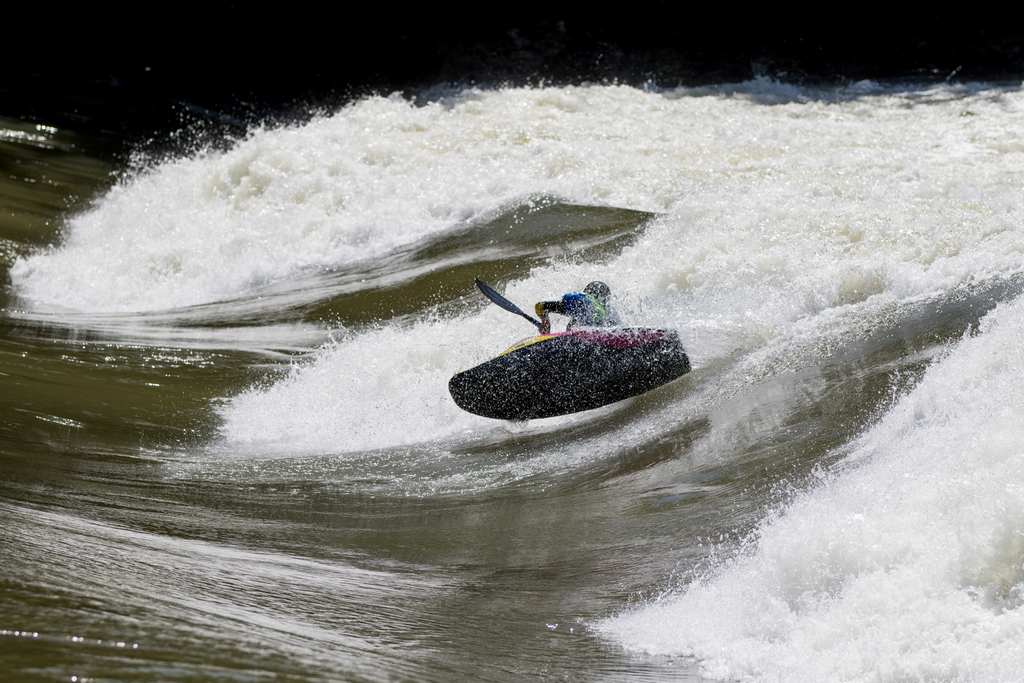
x=229, y=453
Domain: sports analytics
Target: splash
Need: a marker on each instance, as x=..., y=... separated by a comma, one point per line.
x=906, y=563
x=764, y=172
x=780, y=221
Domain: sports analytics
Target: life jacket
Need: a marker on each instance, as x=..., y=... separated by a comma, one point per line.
x=586, y=311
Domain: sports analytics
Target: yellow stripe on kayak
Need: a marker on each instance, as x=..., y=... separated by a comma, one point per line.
x=527, y=342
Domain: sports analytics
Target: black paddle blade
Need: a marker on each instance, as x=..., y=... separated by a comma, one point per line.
x=498, y=299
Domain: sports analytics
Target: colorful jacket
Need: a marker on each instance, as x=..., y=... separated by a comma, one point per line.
x=582, y=309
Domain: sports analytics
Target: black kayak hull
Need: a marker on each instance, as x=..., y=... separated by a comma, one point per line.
x=570, y=372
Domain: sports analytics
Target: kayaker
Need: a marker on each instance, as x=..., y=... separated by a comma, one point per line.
x=589, y=308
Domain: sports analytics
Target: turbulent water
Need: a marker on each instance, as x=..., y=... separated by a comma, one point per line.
x=229, y=450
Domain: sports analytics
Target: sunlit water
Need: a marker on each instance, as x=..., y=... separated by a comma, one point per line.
x=229, y=450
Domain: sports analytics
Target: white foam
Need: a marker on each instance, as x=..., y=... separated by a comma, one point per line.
x=383, y=387
x=907, y=564
x=376, y=175
x=775, y=219
x=861, y=171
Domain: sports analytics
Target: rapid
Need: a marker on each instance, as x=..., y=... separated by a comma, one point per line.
x=229, y=450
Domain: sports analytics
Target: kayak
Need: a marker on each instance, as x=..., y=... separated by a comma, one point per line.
x=567, y=372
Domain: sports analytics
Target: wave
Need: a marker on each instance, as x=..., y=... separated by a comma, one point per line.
x=382, y=174
x=905, y=562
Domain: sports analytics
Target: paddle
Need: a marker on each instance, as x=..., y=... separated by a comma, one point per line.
x=504, y=303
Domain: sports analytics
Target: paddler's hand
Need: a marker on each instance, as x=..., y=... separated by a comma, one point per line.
x=542, y=313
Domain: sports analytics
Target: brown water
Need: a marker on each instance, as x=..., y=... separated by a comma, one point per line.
x=138, y=545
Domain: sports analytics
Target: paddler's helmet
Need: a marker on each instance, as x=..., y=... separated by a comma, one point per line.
x=599, y=291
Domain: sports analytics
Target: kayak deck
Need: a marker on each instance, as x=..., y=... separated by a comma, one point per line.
x=568, y=372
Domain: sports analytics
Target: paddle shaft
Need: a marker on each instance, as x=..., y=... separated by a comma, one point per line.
x=498, y=299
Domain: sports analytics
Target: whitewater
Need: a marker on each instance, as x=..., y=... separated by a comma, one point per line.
x=801, y=240
x=904, y=562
